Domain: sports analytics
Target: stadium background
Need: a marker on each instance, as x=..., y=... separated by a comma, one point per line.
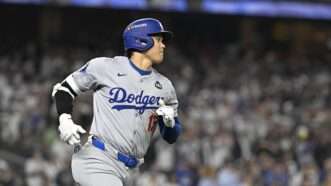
x=254, y=92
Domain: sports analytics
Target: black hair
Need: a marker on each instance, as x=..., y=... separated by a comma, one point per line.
x=129, y=53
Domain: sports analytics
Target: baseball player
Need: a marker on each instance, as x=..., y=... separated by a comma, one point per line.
x=130, y=99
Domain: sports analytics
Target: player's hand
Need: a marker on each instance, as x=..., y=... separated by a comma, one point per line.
x=69, y=131
x=167, y=113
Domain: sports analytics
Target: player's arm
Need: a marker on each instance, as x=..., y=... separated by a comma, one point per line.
x=170, y=134
x=64, y=94
x=169, y=125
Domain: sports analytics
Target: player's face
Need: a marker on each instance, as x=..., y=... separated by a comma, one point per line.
x=156, y=53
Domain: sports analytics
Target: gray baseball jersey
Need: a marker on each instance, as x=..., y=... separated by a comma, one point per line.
x=124, y=101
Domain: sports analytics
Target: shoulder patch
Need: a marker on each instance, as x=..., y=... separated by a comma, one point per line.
x=158, y=85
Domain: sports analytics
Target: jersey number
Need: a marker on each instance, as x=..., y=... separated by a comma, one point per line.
x=152, y=123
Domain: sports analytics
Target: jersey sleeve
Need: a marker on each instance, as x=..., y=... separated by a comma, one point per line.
x=172, y=99
x=88, y=77
x=171, y=134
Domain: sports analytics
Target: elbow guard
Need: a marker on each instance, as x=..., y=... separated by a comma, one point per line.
x=63, y=96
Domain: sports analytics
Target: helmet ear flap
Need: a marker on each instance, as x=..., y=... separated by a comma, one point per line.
x=144, y=43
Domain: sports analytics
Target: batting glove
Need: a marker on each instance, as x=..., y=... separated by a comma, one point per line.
x=167, y=113
x=69, y=131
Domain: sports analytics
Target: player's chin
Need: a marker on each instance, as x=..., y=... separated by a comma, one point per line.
x=158, y=60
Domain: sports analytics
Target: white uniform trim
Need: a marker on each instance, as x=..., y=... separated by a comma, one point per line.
x=58, y=87
x=70, y=80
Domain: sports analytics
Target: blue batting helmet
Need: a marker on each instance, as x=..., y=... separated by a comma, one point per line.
x=137, y=35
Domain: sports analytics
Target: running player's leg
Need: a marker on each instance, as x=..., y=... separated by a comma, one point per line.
x=91, y=168
x=86, y=177
x=100, y=179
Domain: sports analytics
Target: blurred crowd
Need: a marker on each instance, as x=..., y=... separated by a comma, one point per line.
x=252, y=117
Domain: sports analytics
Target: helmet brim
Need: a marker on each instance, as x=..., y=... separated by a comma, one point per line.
x=167, y=35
